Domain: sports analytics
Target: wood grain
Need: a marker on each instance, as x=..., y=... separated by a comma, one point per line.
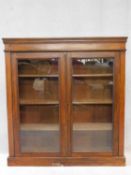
x=10, y=104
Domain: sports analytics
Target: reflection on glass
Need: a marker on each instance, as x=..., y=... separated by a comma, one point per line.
x=92, y=97
x=95, y=89
x=92, y=65
x=39, y=89
x=39, y=106
x=46, y=66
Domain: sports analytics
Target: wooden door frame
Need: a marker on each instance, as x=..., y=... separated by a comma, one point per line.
x=16, y=109
x=107, y=54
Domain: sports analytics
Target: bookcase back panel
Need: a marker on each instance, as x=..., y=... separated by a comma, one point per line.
x=92, y=113
x=40, y=114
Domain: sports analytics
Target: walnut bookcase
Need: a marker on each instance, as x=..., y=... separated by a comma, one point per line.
x=65, y=100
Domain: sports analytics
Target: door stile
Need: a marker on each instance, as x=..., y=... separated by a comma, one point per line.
x=63, y=107
x=116, y=104
x=69, y=102
x=122, y=104
x=10, y=103
x=16, y=104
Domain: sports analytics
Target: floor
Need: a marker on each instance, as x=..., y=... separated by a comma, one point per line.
x=4, y=170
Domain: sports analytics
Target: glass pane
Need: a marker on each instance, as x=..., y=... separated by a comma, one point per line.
x=92, y=104
x=39, y=128
x=39, y=105
x=95, y=89
x=38, y=89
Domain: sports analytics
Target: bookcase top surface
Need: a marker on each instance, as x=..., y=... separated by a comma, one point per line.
x=65, y=44
x=64, y=39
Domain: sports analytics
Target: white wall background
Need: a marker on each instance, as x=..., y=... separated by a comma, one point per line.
x=55, y=18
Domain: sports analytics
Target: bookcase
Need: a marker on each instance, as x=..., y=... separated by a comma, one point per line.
x=65, y=100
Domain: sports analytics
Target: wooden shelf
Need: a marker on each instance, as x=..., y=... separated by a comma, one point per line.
x=76, y=127
x=38, y=102
x=39, y=127
x=56, y=75
x=92, y=126
x=93, y=75
x=41, y=102
x=93, y=102
x=38, y=75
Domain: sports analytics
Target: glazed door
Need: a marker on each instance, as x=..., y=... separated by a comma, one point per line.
x=91, y=103
x=39, y=103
